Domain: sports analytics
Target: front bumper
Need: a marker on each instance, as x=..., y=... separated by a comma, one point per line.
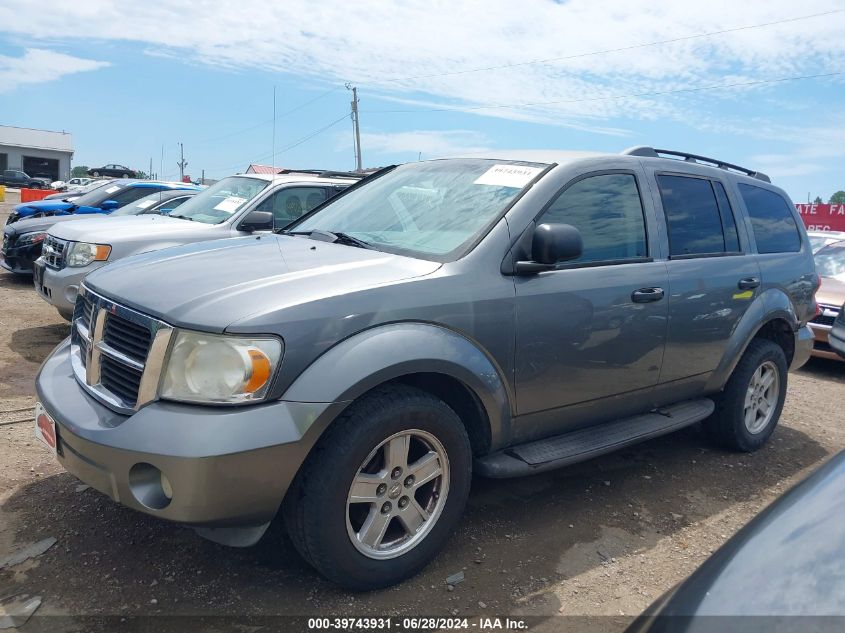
x=803, y=347
x=60, y=287
x=228, y=467
x=20, y=259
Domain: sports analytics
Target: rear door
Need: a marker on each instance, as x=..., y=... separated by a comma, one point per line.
x=713, y=277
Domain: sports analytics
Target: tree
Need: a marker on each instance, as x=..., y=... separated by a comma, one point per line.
x=837, y=198
x=818, y=200
x=142, y=175
x=80, y=171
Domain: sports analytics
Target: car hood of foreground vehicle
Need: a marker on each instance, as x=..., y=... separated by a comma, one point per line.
x=131, y=228
x=211, y=285
x=791, y=554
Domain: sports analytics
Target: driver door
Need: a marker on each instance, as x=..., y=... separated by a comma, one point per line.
x=591, y=333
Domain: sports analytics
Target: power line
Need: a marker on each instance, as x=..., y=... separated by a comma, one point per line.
x=492, y=106
x=550, y=60
x=296, y=143
x=274, y=119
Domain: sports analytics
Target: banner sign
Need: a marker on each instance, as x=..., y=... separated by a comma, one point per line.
x=823, y=217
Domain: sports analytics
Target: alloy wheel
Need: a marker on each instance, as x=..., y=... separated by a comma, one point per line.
x=761, y=398
x=397, y=494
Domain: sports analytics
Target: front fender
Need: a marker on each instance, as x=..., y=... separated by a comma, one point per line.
x=378, y=355
x=768, y=306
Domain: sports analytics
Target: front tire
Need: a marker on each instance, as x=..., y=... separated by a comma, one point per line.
x=382, y=491
x=95, y=173
x=748, y=409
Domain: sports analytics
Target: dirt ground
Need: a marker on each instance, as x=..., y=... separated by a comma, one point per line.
x=604, y=538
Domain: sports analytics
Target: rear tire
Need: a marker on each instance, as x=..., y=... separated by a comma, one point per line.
x=363, y=537
x=749, y=407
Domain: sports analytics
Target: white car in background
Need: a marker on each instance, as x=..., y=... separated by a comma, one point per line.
x=73, y=184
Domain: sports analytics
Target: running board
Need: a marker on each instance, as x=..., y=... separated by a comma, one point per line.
x=592, y=441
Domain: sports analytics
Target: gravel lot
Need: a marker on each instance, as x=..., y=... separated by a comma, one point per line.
x=603, y=538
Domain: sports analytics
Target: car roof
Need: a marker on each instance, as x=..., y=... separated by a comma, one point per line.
x=301, y=177
x=668, y=160
x=150, y=183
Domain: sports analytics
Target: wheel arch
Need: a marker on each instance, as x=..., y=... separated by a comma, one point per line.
x=430, y=357
x=772, y=316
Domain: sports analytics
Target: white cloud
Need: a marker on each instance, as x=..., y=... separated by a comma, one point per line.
x=429, y=143
x=38, y=65
x=374, y=42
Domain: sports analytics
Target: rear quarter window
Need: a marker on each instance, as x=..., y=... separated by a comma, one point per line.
x=775, y=229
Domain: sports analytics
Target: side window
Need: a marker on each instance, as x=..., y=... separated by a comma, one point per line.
x=171, y=204
x=608, y=212
x=291, y=203
x=775, y=229
x=692, y=215
x=131, y=194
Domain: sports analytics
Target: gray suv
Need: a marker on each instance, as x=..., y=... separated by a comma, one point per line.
x=499, y=316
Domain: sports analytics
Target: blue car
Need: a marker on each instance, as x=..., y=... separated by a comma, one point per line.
x=103, y=199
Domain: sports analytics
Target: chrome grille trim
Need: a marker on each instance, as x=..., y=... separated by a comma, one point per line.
x=53, y=252
x=88, y=349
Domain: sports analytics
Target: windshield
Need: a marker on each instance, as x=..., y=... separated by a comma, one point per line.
x=145, y=204
x=830, y=261
x=221, y=200
x=433, y=210
x=98, y=193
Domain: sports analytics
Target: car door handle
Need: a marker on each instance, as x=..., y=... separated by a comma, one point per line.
x=749, y=283
x=647, y=295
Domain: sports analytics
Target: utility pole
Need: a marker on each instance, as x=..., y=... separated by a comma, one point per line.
x=355, y=126
x=150, y=173
x=182, y=162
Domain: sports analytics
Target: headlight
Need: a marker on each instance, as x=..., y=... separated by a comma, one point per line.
x=82, y=253
x=26, y=239
x=214, y=368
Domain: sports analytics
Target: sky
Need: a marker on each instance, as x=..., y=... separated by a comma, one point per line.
x=756, y=83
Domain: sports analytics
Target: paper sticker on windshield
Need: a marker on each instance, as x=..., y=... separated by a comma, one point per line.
x=112, y=189
x=508, y=176
x=145, y=204
x=230, y=204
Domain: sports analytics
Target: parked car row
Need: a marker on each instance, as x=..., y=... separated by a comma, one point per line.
x=23, y=240
x=344, y=353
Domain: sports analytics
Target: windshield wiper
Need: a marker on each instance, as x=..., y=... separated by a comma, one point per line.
x=181, y=217
x=336, y=237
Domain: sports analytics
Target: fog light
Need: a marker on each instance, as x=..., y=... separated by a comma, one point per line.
x=149, y=486
x=70, y=293
x=166, y=488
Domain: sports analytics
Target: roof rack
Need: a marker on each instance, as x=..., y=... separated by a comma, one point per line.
x=323, y=173
x=650, y=152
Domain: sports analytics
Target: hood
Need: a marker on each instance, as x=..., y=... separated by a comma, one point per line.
x=210, y=285
x=106, y=230
x=30, y=225
x=43, y=206
x=832, y=292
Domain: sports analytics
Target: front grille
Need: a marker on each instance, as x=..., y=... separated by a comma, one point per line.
x=824, y=320
x=111, y=351
x=120, y=379
x=127, y=337
x=827, y=316
x=53, y=252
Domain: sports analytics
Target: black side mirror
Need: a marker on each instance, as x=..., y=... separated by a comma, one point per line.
x=550, y=245
x=257, y=221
